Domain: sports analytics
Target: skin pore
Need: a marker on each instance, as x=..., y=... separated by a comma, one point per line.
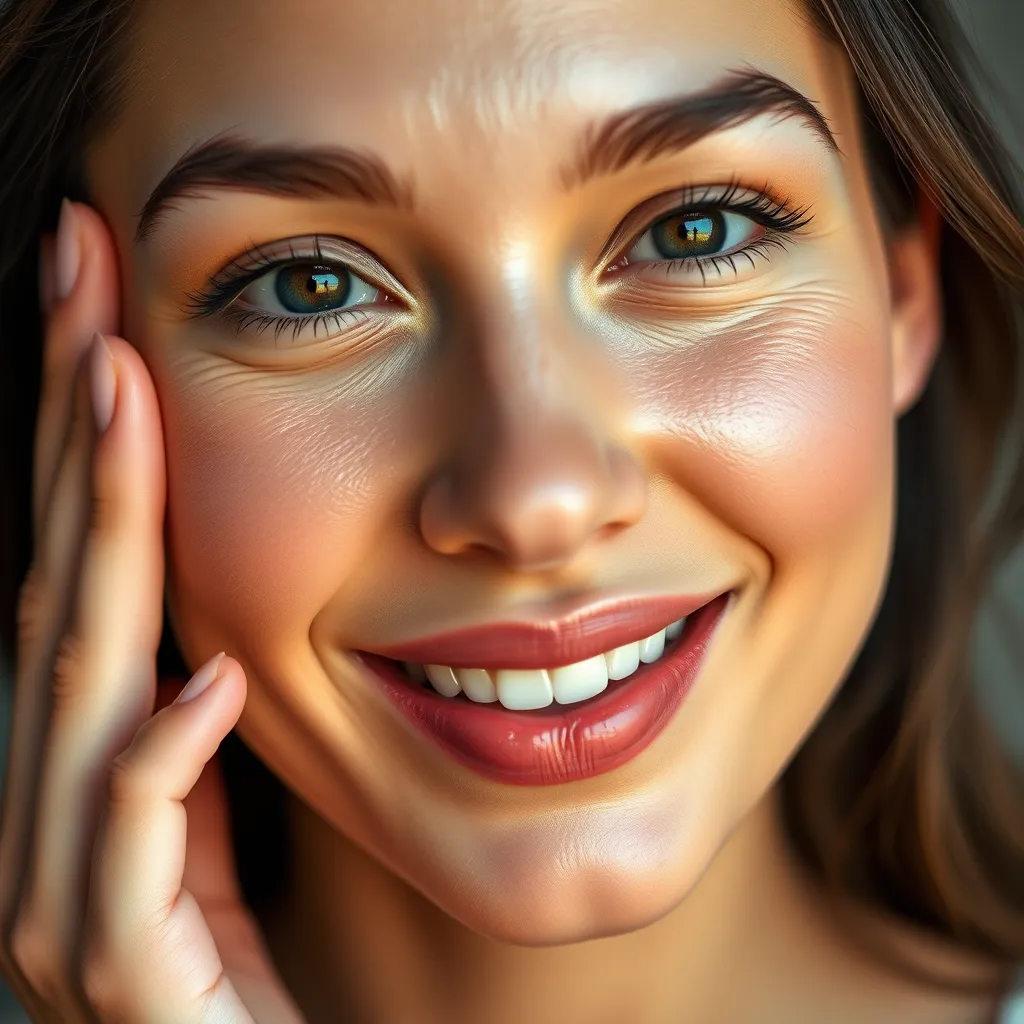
x=527, y=424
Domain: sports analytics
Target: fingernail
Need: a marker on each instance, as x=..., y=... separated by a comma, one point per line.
x=208, y=674
x=102, y=382
x=69, y=254
x=46, y=285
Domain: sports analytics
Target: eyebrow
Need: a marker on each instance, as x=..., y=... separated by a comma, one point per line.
x=230, y=161
x=671, y=125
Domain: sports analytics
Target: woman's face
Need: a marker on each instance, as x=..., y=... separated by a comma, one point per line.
x=445, y=335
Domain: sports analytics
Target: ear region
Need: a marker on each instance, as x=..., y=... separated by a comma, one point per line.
x=916, y=297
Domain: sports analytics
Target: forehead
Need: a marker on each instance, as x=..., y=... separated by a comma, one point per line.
x=486, y=83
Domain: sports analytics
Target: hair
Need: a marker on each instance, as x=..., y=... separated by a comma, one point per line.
x=902, y=797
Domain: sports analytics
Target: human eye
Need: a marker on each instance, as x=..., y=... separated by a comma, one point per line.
x=301, y=288
x=713, y=232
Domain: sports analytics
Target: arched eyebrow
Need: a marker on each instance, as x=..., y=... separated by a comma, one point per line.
x=671, y=125
x=230, y=161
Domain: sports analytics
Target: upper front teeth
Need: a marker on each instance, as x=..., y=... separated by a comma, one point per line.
x=521, y=689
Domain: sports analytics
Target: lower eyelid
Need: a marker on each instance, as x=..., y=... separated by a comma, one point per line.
x=739, y=261
x=259, y=322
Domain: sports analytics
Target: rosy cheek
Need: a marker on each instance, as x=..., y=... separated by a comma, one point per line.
x=782, y=423
x=270, y=501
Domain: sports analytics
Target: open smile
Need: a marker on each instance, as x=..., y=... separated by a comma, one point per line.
x=545, y=704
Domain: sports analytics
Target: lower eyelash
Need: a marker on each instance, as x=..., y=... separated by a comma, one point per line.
x=245, y=319
x=760, y=248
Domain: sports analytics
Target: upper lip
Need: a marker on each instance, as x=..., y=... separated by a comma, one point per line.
x=587, y=632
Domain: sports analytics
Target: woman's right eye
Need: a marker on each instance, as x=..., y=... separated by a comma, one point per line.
x=307, y=289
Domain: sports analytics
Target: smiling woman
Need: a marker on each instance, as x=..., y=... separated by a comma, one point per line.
x=576, y=424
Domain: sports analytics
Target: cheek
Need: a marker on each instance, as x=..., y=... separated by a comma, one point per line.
x=274, y=490
x=781, y=421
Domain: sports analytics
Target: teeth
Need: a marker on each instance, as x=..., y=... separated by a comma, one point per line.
x=673, y=630
x=529, y=689
x=652, y=648
x=572, y=683
x=523, y=689
x=477, y=684
x=623, y=661
x=443, y=679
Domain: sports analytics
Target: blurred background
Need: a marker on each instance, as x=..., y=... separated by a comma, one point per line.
x=996, y=27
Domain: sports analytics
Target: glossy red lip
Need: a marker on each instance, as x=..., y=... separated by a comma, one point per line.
x=584, y=634
x=558, y=743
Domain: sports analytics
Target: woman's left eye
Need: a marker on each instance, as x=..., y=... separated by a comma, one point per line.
x=693, y=234
x=308, y=289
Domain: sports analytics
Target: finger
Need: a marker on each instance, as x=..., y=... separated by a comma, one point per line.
x=74, y=284
x=84, y=285
x=43, y=612
x=103, y=682
x=210, y=866
x=78, y=285
x=149, y=953
x=211, y=877
x=44, y=609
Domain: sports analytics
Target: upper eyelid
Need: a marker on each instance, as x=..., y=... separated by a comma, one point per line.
x=644, y=215
x=259, y=260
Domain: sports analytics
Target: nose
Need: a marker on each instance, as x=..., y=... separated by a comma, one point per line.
x=531, y=481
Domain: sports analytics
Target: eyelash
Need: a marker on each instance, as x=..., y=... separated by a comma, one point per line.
x=229, y=282
x=779, y=220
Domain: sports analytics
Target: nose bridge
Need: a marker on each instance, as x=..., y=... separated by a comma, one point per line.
x=536, y=467
x=532, y=364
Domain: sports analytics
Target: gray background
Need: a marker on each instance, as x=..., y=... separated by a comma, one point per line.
x=997, y=29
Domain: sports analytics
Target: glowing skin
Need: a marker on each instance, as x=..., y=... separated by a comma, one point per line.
x=518, y=428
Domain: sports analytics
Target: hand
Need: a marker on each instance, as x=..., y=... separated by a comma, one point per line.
x=111, y=909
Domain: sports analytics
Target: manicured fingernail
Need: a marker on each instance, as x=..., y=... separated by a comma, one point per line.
x=102, y=382
x=208, y=674
x=47, y=289
x=68, y=254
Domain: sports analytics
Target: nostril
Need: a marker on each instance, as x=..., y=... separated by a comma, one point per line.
x=610, y=530
x=535, y=497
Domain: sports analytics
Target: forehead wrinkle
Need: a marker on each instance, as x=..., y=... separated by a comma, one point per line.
x=495, y=96
x=523, y=59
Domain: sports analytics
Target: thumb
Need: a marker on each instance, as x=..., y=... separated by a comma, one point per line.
x=211, y=875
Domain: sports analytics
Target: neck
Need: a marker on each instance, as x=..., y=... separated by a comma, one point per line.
x=353, y=940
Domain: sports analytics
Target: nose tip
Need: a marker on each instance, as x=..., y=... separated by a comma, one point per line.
x=534, y=506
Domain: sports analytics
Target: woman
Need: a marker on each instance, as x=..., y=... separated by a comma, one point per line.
x=570, y=431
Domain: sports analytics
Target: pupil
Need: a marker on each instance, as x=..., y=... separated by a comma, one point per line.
x=306, y=288
x=695, y=233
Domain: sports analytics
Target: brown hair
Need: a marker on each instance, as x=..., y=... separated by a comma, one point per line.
x=901, y=796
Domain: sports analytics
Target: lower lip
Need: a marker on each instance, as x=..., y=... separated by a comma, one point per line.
x=559, y=743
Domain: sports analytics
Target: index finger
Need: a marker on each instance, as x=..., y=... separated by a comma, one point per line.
x=82, y=278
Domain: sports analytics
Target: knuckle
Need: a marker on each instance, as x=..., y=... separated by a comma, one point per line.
x=9, y=969
x=104, y=513
x=99, y=986
x=126, y=784
x=67, y=664
x=33, y=952
x=31, y=608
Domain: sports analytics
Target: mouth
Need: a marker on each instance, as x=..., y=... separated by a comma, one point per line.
x=545, y=704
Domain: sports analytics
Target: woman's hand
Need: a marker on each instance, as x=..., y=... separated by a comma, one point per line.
x=109, y=910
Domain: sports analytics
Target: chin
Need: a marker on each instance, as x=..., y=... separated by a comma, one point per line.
x=548, y=905
x=576, y=914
